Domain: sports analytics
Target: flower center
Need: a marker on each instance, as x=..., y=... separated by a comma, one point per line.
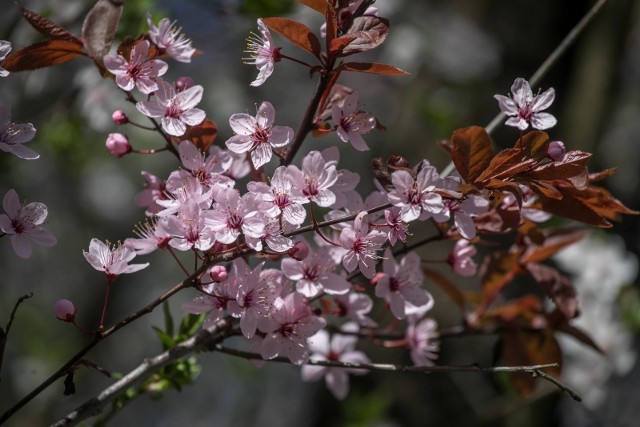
x=261, y=136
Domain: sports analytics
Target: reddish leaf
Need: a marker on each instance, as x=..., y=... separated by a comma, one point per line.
x=496, y=271
x=366, y=33
x=552, y=242
x=603, y=203
x=373, y=68
x=202, y=135
x=472, y=152
x=573, y=164
x=447, y=286
x=534, y=144
x=526, y=312
x=296, y=33
x=43, y=54
x=48, y=28
x=544, y=189
x=530, y=348
x=599, y=176
x=558, y=287
x=505, y=165
x=99, y=27
x=578, y=207
x=332, y=28
x=559, y=322
x=317, y=5
x=502, y=219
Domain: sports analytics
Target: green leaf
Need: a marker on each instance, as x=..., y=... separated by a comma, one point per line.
x=166, y=339
x=168, y=318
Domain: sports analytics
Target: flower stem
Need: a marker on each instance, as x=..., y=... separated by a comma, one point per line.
x=106, y=302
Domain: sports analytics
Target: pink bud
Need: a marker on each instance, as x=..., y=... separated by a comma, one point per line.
x=184, y=83
x=218, y=273
x=299, y=251
x=118, y=144
x=119, y=117
x=65, y=310
x=556, y=151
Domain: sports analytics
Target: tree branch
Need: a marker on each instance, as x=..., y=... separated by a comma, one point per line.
x=5, y=333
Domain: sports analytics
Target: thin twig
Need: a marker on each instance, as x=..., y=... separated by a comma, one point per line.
x=4, y=334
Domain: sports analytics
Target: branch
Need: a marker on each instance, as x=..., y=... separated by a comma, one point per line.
x=553, y=57
x=203, y=340
x=5, y=333
x=534, y=370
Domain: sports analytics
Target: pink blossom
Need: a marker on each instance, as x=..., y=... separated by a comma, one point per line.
x=416, y=197
x=340, y=348
x=154, y=190
x=398, y=230
x=180, y=189
x=351, y=123
x=119, y=117
x=170, y=39
x=152, y=235
x=299, y=251
x=460, y=258
x=233, y=215
x=208, y=169
x=525, y=108
x=140, y=71
x=256, y=299
x=400, y=283
x=112, y=260
x=23, y=222
x=277, y=199
x=315, y=274
x=5, y=48
x=292, y=324
x=257, y=134
x=556, y=151
x=463, y=213
x=220, y=296
x=314, y=181
x=188, y=229
x=65, y=310
x=118, y=144
x=14, y=135
x=361, y=245
x=356, y=306
x=271, y=235
x=422, y=339
x=262, y=53
x=218, y=273
x=176, y=109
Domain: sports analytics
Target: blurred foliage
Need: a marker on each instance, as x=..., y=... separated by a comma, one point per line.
x=260, y=8
x=362, y=410
x=629, y=300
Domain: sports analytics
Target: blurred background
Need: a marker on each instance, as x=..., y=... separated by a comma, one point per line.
x=459, y=53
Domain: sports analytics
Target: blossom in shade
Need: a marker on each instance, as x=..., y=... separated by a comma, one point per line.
x=154, y=190
x=398, y=230
x=176, y=109
x=361, y=245
x=151, y=236
x=23, y=222
x=113, y=260
x=525, y=109
x=315, y=274
x=400, y=283
x=14, y=135
x=352, y=123
x=416, y=197
x=257, y=134
x=460, y=258
x=5, y=48
x=65, y=310
x=356, y=306
x=556, y=151
x=139, y=71
x=256, y=299
x=338, y=348
x=262, y=53
x=170, y=39
x=292, y=324
x=463, y=213
x=422, y=339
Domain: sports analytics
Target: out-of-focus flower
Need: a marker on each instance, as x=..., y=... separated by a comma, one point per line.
x=119, y=117
x=154, y=190
x=24, y=224
x=299, y=251
x=14, y=135
x=351, y=123
x=262, y=53
x=257, y=134
x=65, y=310
x=151, y=236
x=118, y=144
x=526, y=109
x=170, y=39
x=176, y=109
x=5, y=48
x=112, y=260
x=422, y=338
x=556, y=151
x=184, y=83
x=460, y=258
x=140, y=71
x=356, y=306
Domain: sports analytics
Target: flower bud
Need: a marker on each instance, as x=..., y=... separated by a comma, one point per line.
x=118, y=144
x=184, y=83
x=65, y=310
x=218, y=273
x=119, y=117
x=556, y=151
x=299, y=251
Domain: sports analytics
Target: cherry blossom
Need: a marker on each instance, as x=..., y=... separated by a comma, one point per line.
x=208, y=169
x=262, y=53
x=154, y=190
x=416, y=197
x=118, y=144
x=356, y=306
x=556, y=151
x=315, y=274
x=14, y=135
x=233, y=215
x=277, y=199
x=181, y=188
x=220, y=295
x=65, y=310
x=152, y=235
x=256, y=299
x=400, y=283
x=176, y=109
x=361, y=245
x=314, y=181
x=463, y=211
x=170, y=39
x=398, y=230
x=272, y=236
x=23, y=222
x=140, y=71
x=293, y=323
x=526, y=109
x=338, y=348
x=188, y=229
x=257, y=134
x=422, y=339
x=113, y=260
x=5, y=48
x=351, y=123
x=460, y=258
